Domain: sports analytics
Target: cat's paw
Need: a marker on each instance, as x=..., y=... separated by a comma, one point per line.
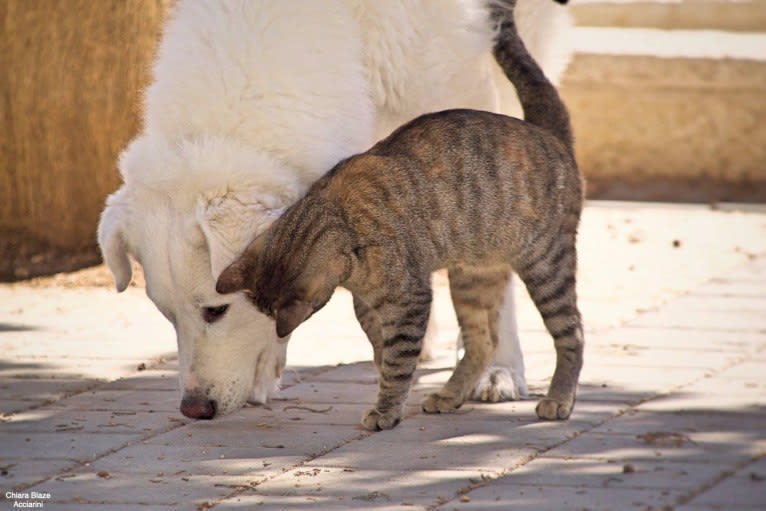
x=373, y=420
x=441, y=403
x=553, y=410
x=499, y=383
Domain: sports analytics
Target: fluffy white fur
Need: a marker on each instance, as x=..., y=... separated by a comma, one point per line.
x=252, y=101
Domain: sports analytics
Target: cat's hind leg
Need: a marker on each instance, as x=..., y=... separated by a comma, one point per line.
x=476, y=295
x=550, y=279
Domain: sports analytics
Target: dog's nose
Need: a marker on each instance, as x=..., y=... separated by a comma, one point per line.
x=195, y=406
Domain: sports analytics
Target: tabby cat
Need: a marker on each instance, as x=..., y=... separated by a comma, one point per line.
x=478, y=193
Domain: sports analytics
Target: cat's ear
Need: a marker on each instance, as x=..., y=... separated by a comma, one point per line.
x=292, y=315
x=234, y=277
x=239, y=274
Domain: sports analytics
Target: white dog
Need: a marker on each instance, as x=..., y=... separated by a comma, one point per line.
x=251, y=102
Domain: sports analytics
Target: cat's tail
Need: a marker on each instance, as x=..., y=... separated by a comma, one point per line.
x=539, y=99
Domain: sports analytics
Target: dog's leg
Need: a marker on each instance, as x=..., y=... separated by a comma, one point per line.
x=504, y=379
x=432, y=333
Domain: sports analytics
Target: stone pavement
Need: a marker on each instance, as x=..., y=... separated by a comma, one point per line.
x=671, y=411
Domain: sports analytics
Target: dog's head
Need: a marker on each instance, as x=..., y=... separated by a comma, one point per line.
x=183, y=238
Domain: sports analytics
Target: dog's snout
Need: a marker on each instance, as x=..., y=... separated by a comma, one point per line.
x=196, y=406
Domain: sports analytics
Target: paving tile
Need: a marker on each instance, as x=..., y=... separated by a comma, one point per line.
x=750, y=371
x=360, y=372
x=262, y=437
x=362, y=487
x=149, y=488
x=590, y=411
x=331, y=393
x=469, y=440
x=9, y=407
x=637, y=373
x=43, y=389
x=96, y=342
x=673, y=316
x=59, y=420
x=716, y=507
x=149, y=379
x=497, y=497
x=62, y=445
x=712, y=394
x=519, y=431
x=22, y=472
x=744, y=489
x=155, y=401
x=660, y=359
x=470, y=451
x=737, y=382
x=640, y=380
x=698, y=301
x=595, y=390
x=660, y=339
x=191, y=459
x=279, y=414
x=755, y=270
x=118, y=507
x=639, y=421
x=732, y=287
x=81, y=368
x=378, y=502
x=664, y=444
x=551, y=471
x=595, y=411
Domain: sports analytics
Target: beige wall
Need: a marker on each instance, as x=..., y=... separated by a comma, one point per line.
x=669, y=128
x=70, y=81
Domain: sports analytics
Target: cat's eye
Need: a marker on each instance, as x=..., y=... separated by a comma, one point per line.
x=213, y=314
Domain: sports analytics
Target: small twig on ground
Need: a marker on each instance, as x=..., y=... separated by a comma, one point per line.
x=308, y=409
x=459, y=411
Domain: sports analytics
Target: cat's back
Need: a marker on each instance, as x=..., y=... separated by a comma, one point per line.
x=461, y=131
x=457, y=163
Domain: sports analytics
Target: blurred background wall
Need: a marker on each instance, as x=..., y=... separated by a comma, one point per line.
x=70, y=76
x=668, y=101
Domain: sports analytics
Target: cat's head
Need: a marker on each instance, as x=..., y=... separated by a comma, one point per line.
x=286, y=279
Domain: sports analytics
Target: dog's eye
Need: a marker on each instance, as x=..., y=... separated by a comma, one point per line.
x=213, y=314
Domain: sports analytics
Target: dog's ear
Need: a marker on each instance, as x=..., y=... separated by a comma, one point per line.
x=229, y=223
x=292, y=315
x=111, y=238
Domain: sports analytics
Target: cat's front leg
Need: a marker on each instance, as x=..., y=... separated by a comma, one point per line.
x=403, y=327
x=395, y=372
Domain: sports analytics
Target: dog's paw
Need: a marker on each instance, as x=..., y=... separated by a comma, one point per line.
x=499, y=383
x=426, y=352
x=373, y=420
x=553, y=410
x=441, y=403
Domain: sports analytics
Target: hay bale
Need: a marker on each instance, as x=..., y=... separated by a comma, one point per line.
x=71, y=77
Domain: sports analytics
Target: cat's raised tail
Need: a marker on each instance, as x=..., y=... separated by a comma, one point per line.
x=539, y=99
